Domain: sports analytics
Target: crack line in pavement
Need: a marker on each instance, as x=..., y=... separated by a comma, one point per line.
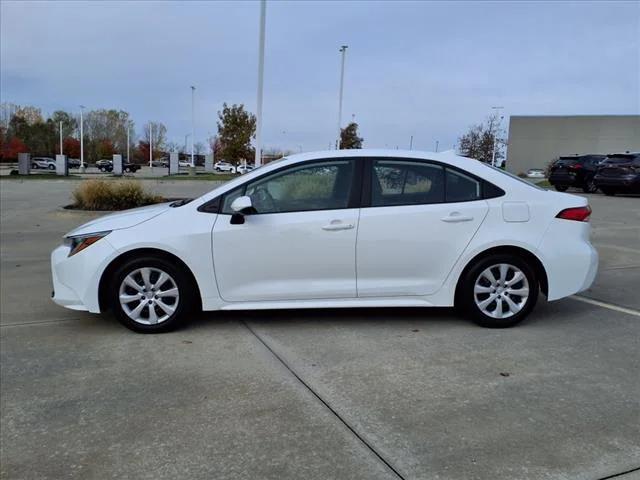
x=325, y=403
x=610, y=306
x=620, y=474
x=40, y=322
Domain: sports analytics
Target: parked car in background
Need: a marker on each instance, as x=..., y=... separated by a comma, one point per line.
x=535, y=173
x=242, y=169
x=73, y=163
x=223, y=167
x=46, y=163
x=575, y=171
x=161, y=162
x=340, y=228
x=184, y=163
x=107, y=166
x=104, y=165
x=619, y=173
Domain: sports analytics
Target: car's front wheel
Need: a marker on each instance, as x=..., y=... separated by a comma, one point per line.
x=52, y=167
x=498, y=291
x=561, y=188
x=151, y=295
x=608, y=191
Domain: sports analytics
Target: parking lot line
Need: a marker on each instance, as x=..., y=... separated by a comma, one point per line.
x=368, y=445
x=610, y=306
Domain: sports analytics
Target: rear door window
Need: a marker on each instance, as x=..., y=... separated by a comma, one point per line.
x=461, y=187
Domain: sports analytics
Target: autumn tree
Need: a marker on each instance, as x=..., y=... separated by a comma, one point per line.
x=71, y=147
x=481, y=139
x=11, y=149
x=349, y=137
x=236, y=128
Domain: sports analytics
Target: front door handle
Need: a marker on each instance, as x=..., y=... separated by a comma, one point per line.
x=456, y=217
x=336, y=225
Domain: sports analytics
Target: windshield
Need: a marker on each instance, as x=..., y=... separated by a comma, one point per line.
x=619, y=159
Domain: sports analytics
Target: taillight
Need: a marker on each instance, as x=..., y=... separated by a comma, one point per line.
x=579, y=214
x=576, y=166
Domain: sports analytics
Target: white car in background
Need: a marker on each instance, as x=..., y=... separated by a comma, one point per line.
x=535, y=173
x=341, y=228
x=242, y=169
x=43, y=163
x=224, y=167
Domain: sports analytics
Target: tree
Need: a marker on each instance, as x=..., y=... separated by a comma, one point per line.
x=157, y=133
x=71, y=147
x=12, y=148
x=349, y=137
x=69, y=123
x=105, y=125
x=236, y=128
x=479, y=141
x=199, y=148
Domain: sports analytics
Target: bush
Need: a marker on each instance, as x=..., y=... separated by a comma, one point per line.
x=112, y=195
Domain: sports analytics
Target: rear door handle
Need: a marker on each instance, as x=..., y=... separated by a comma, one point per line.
x=336, y=225
x=456, y=217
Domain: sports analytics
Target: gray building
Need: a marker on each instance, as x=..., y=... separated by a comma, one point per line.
x=534, y=141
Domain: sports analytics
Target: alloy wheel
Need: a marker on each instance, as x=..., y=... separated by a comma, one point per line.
x=148, y=295
x=501, y=290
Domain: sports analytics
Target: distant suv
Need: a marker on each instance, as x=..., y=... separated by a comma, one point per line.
x=619, y=173
x=224, y=167
x=43, y=162
x=575, y=171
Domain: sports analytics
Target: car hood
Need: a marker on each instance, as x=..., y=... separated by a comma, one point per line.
x=120, y=220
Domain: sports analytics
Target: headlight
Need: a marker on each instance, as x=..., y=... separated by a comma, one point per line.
x=78, y=243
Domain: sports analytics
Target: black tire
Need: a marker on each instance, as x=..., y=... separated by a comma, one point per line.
x=589, y=186
x=561, y=188
x=608, y=191
x=186, y=301
x=51, y=167
x=34, y=166
x=466, y=298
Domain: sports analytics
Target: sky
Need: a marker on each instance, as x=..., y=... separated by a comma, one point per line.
x=422, y=69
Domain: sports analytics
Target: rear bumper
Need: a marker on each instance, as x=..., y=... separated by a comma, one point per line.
x=626, y=181
x=569, y=258
x=564, y=179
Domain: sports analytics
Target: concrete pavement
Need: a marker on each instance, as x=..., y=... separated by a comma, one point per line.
x=314, y=394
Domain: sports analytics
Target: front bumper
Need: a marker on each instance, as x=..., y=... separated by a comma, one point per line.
x=76, y=279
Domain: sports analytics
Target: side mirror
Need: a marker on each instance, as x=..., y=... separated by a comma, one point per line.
x=241, y=206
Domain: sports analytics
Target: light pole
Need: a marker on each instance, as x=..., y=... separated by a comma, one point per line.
x=263, y=15
x=128, y=142
x=82, y=138
x=437, y=144
x=343, y=50
x=61, y=138
x=411, y=143
x=495, y=138
x=150, y=144
x=193, y=124
x=185, y=142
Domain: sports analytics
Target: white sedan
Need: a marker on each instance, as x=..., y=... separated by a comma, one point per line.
x=351, y=228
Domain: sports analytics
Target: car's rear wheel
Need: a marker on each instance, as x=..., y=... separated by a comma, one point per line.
x=151, y=295
x=498, y=291
x=589, y=186
x=52, y=167
x=561, y=188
